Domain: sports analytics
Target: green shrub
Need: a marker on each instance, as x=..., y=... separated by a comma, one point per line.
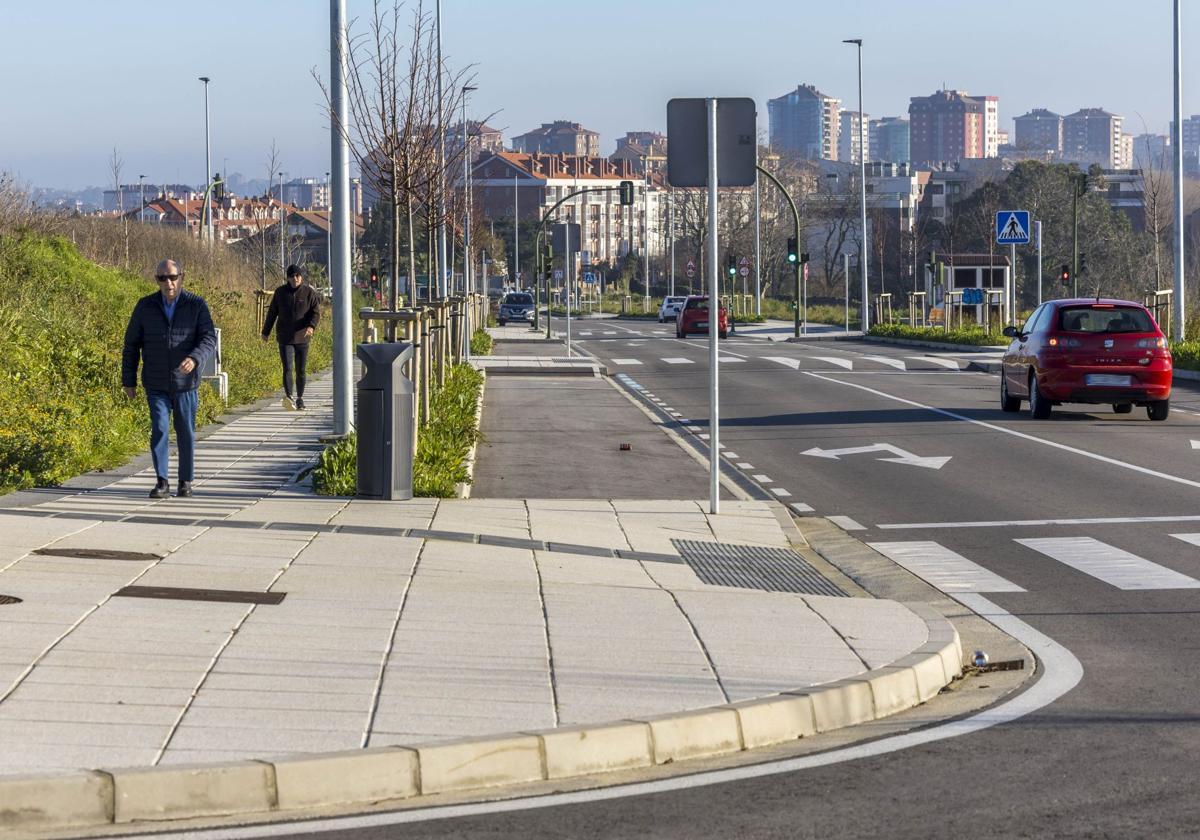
x=1186, y=354
x=336, y=471
x=967, y=335
x=481, y=343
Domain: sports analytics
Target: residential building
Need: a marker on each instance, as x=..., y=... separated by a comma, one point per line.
x=805, y=123
x=991, y=126
x=559, y=137
x=890, y=140
x=849, y=137
x=1191, y=144
x=483, y=138
x=305, y=193
x=1093, y=136
x=537, y=181
x=1152, y=151
x=130, y=194
x=1038, y=132
x=1125, y=161
x=1124, y=190
x=949, y=125
x=644, y=149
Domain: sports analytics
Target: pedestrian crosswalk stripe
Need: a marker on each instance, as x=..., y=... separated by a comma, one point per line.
x=946, y=363
x=779, y=491
x=1109, y=564
x=678, y=361
x=729, y=359
x=834, y=360
x=942, y=568
x=846, y=523
x=1194, y=539
x=626, y=361
x=888, y=360
x=794, y=364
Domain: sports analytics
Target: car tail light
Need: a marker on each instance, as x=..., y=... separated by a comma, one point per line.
x=1159, y=343
x=1065, y=341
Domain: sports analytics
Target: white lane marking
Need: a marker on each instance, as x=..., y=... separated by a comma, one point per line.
x=801, y=507
x=676, y=414
x=1194, y=539
x=1061, y=672
x=693, y=428
x=1110, y=564
x=946, y=363
x=1009, y=523
x=745, y=465
x=779, y=491
x=585, y=333
x=1075, y=450
x=732, y=456
x=898, y=364
x=626, y=361
x=764, y=478
x=678, y=361
x=942, y=568
x=729, y=359
x=834, y=360
x=846, y=523
x=794, y=364
x=610, y=332
x=703, y=436
x=1196, y=444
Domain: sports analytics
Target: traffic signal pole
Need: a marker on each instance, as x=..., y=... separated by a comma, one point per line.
x=796, y=219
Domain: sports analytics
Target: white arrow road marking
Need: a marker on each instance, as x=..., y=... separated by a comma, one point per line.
x=946, y=363
x=935, y=462
x=898, y=364
x=1196, y=444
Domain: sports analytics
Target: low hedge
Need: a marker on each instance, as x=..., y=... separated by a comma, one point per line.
x=481, y=343
x=966, y=335
x=1186, y=354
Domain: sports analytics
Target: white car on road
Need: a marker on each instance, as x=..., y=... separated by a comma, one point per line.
x=670, y=308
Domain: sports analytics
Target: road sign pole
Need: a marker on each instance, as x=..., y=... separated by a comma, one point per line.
x=1038, y=226
x=846, y=272
x=714, y=320
x=804, y=325
x=757, y=252
x=568, y=259
x=1011, y=309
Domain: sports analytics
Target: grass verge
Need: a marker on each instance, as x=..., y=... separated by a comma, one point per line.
x=481, y=343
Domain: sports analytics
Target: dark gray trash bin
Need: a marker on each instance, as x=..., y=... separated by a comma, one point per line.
x=384, y=419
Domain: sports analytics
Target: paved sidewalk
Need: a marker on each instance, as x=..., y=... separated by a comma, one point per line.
x=270, y=621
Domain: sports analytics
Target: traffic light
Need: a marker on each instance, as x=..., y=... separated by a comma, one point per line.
x=374, y=279
x=804, y=257
x=731, y=264
x=548, y=254
x=218, y=188
x=792, y=252
x=1082, y=263
x=626, y=193
x=1066, y=275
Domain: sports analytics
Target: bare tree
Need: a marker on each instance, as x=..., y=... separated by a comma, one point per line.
x=115, y=165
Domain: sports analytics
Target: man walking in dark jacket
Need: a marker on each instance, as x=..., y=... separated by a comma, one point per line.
x=295, y=311
x=172, y=333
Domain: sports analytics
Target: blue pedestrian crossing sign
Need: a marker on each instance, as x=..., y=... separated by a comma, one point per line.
x=1012, y=227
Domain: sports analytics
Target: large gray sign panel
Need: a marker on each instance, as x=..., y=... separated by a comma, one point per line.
x=687, y=142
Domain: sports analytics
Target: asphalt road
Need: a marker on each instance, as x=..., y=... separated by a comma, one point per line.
x=1085, y=526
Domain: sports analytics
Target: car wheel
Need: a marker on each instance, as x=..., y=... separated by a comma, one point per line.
x=1039, y=406
x=1122, y=408
x=680, y=334
x=1158, y=410
x=1007, y=403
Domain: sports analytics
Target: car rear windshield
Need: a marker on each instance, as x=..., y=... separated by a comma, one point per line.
x=697, y=303
x=674, y=300
x=1102, y=318
x=520, y=299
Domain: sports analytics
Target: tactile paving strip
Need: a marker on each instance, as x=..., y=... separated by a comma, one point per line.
x=754, y=567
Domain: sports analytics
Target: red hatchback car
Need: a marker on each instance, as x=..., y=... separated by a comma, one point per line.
x=1087, y=351
x=693, y=318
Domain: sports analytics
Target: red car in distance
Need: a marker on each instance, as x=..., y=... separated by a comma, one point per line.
x=1087, y=351
x=693, y=318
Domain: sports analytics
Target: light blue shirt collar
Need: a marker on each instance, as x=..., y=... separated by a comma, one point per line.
x=169, y=306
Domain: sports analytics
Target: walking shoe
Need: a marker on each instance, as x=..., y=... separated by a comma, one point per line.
x=288, y=404
x=185, y=489
x=300, y=403
x=161, y=490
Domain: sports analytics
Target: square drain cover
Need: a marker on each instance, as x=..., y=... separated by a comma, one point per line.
x=754, y=567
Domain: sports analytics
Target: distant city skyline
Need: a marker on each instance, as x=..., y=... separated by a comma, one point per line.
x=123, y=74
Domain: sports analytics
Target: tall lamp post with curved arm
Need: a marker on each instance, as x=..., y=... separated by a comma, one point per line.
x=862, y=186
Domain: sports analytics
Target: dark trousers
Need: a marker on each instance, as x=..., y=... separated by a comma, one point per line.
x=182, y=406
x=294, y=358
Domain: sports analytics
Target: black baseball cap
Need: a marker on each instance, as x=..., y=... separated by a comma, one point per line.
x=294, y=271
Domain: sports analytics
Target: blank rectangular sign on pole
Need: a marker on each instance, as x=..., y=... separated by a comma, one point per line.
x=687, y=142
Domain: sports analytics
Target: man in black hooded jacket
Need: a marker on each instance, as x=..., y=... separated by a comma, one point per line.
x=172, y=332
x=294, y=312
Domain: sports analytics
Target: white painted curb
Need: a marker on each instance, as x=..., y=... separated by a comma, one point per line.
x=400, y=772
x=462, y=490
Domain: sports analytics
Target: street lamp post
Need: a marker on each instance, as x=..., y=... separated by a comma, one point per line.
x=862, y=185
x=646, y=231
x=1177, y=153
x=467, y=290
x=441, y=194
x=328, y=232
x=207, y=165
x=142, y=198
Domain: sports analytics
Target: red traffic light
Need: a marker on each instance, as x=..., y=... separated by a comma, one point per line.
x=1066, y=275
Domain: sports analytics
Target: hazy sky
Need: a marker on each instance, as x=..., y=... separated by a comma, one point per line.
x=78, y=77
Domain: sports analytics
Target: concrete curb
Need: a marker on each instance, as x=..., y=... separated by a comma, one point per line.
x=936, y=345
x=119, y=796
x=462, y=489
x=549, y=370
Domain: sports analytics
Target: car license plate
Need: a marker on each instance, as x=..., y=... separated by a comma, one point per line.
x=1108, y=379
x=702, y=325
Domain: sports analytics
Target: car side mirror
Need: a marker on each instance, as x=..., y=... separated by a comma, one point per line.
x=1011, y=332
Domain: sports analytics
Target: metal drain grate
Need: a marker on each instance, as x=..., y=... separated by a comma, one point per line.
x=754, y=567
x=97, y=554
x=5, y=600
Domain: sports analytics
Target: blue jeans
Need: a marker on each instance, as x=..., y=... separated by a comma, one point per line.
x=183, y=406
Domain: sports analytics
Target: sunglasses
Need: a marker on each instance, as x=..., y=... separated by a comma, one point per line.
x=163, y=278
